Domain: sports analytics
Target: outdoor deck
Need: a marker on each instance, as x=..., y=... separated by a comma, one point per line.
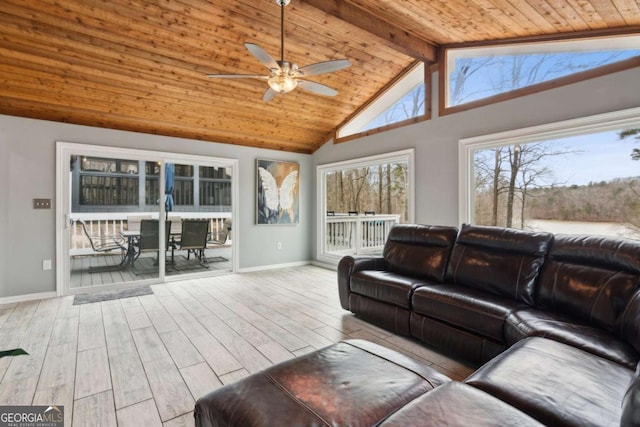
x=219, y=259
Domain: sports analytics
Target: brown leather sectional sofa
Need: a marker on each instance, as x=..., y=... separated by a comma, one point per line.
x=484, y=290
x=555, y=318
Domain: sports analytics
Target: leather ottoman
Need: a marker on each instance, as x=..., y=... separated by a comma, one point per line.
x=351, y=383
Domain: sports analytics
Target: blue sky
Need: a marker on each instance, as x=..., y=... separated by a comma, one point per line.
x=601, y=157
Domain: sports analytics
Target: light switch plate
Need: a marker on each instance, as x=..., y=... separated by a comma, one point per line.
x=41, y=203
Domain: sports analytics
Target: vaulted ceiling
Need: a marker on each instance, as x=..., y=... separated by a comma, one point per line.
x=140, y=65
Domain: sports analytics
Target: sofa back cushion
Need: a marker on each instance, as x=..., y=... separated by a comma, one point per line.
x=591, y=279
x=419, y=251
x=499, y=260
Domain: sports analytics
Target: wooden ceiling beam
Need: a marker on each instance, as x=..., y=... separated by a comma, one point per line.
x=404, y=41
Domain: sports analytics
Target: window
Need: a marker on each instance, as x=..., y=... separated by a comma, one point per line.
x=579, y=177
x=152, y=182
x=215, y=186
x=106, y=182
x=360, y=200
x=404, y=100
x=473, y=74
x=183, y=185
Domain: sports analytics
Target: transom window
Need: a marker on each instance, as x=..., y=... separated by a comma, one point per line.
x=405, y=100
x=473, y=74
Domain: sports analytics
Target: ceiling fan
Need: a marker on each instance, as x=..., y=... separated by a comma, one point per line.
x=285, y=76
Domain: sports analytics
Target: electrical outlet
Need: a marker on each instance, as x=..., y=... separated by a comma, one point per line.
x=46, y=264
x=279, y=245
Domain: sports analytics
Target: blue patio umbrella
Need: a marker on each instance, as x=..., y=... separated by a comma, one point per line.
x=169, y=178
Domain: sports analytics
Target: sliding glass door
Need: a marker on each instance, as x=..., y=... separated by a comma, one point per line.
x=129, y=217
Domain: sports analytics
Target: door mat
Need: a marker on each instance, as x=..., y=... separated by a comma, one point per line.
x=111, y=295
x=216, y=259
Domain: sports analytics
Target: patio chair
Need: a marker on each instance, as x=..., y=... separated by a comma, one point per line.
x=222, y=237
x=105, y=243
x=194, y=238
x=133, y=221
x=149, y=233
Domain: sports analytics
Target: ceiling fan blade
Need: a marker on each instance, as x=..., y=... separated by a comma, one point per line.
x=262, y=56
x=269, y=95
x=238, y=76
x=318, y=88
x=324, y=67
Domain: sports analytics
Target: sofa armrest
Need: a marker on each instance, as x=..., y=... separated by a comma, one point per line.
x=349, y=265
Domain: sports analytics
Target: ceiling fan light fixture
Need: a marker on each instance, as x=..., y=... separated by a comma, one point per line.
x=282, y=83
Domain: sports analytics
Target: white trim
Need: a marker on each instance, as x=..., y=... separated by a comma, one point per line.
x=583, y=125
x=27, y=297
x=65, y=149
x=407, y=155
x=327, y=266
x=273, y=266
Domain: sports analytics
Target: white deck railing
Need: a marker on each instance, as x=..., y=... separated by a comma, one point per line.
x=362, y=234
x=112, y=224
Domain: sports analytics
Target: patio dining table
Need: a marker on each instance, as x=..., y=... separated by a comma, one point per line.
x=134, y=233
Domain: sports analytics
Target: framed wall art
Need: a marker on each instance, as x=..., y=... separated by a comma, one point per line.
x=278, y=198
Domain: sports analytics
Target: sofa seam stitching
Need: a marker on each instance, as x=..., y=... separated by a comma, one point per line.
x=295, y=399
x=428, y=380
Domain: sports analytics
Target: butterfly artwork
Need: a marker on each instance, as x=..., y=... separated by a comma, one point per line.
x=278, y=192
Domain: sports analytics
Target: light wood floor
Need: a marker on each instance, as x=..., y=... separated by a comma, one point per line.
x=144, y=361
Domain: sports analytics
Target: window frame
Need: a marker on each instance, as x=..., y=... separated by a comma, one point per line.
x=443, y=74
x=407, y=155
x=584, y=125
x=395, y=84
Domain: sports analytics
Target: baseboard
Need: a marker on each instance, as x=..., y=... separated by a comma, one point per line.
x=27, y=297
x=326, y=265
x=273, y=266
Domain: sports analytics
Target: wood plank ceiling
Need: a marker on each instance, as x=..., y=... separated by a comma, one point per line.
x=140, y=65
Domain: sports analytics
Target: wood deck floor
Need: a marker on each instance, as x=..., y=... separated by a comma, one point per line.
x=143, y=361
x=219, y=259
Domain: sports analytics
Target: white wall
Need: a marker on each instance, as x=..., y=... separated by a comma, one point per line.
x=27, y=171
x=436, y=141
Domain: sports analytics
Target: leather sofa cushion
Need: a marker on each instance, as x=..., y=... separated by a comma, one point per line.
x=387, y=316
x=555, y=383
x=457, y=404
x=468, y=308
x=354, y=383
x=471, y=347
x=419, y=251
x=597, y=251
x=631, y=403
x=385, y=286
x=498, y=260
x=590, y=278
x=589, y=294
x=532, y=322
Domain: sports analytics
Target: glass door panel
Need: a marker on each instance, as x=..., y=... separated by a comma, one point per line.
x=114, y=228
x=198, y=205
